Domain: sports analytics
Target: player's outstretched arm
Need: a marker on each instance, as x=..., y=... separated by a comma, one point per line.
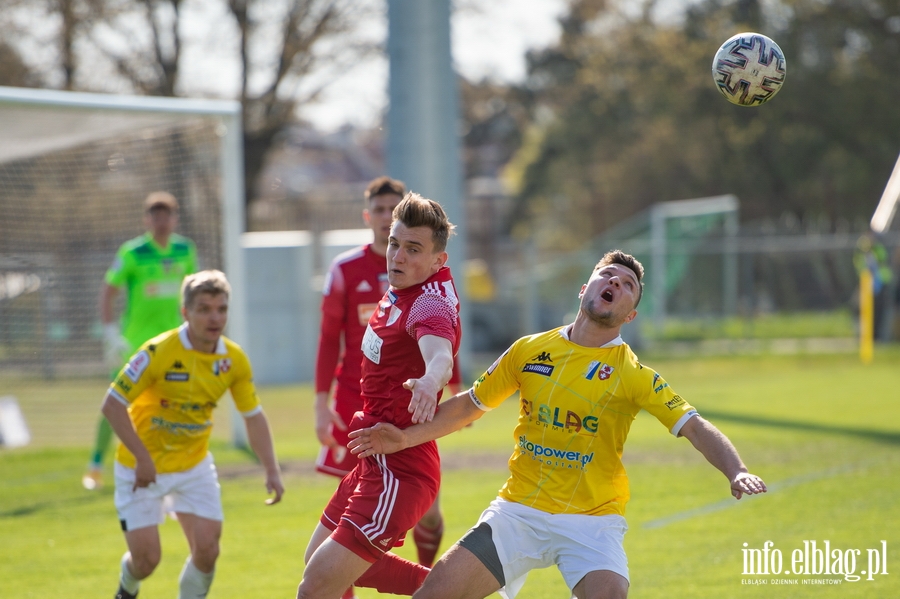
x=455, y=413
x=720, y=452
x=260, y=437
x=120, y=421
x=437, y=352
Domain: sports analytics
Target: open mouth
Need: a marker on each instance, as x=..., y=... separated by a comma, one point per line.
x=607, y=295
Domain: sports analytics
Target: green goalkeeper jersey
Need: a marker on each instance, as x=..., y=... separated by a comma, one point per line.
x=151, y=276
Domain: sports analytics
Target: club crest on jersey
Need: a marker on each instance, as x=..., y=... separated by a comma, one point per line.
x=395, y=314
x=221, y=366
x=601, y=370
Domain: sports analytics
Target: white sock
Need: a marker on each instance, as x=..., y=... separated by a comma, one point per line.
x=127, y=579
x=193, y=583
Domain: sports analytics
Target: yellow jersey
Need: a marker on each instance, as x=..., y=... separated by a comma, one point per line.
x=171, y=390
x=576, y=406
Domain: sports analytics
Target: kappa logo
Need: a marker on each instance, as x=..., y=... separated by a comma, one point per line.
x=542, y=357
x=602, y=370
x=178, y=365
x=363, y=287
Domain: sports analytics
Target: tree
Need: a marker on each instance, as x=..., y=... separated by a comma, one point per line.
x=279, y=47
x=624, y=114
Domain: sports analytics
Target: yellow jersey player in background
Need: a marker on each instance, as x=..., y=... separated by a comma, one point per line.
x=161, y=407
x=580, y=387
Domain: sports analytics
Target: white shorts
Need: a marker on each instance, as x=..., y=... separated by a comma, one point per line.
x=194, y=491
x=527, y=539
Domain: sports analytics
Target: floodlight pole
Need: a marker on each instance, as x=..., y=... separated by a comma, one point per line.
x=423, y=146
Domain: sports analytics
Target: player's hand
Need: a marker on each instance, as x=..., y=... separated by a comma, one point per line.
x=423, y=403
x=326, y=418
x=378, y=439
x=115, y=347
x=274, y=485
x=144, y=473
x=747, y=484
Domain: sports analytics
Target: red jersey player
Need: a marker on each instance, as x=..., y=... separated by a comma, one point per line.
x=408, y=348
x=356, y=281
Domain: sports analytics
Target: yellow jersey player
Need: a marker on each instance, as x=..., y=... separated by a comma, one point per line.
x=161, y=408
x=580, y=388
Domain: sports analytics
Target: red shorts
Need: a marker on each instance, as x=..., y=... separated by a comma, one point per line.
x=382, y=498
x=346, y=403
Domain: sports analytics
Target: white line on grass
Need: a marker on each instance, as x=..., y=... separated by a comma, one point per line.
x=730, y=502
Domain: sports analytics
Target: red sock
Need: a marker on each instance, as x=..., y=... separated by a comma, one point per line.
x=348, y=594
x=393, y=574
x=428, y=541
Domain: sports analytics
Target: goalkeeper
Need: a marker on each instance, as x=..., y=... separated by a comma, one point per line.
x=150, y=269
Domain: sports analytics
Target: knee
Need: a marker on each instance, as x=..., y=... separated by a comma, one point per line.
x=144, y=562
x=306, y=590
x=205, y=555
x=431, y=519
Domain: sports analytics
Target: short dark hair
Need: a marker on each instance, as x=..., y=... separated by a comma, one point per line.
x=629, y=262
x=416, y=211
x=384, y=186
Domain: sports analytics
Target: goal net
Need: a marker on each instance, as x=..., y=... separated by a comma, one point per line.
x=74, y=170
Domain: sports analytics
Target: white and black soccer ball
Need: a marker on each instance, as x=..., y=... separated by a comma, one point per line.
x=749, y=69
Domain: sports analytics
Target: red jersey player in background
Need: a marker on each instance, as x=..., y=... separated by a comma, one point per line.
x=356, y=281
x=408, y=347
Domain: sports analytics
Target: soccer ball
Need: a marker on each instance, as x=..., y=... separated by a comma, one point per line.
x=748, y=69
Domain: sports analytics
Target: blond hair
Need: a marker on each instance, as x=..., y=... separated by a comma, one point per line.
x=205, y=281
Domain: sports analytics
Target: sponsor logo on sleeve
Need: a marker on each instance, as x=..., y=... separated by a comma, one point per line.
x=123, y=384
x=371, y=345
x=138, y=364
x=675, y=402
x=658, y=383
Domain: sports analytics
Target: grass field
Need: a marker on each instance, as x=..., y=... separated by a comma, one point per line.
x=823, y=431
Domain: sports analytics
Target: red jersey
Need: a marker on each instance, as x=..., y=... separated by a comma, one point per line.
x=356, y=281
x=390, y=345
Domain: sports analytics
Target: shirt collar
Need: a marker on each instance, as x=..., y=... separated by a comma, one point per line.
x=617, y=341
x=186, y=342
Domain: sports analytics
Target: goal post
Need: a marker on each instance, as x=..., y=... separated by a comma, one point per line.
x=74, y=170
